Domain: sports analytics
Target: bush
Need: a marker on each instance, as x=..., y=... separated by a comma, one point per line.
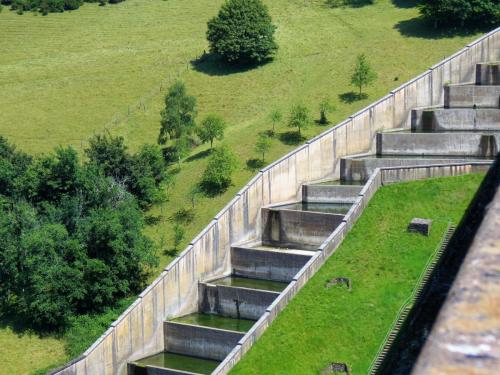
x=461, y=12
x=71, y=238
x=242, y=32
x=220, y=167
x=51, y=6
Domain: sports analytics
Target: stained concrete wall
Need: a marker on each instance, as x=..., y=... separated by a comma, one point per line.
x=468, y=96
x=456, y=119
x=444, y=144
x=268, y=265
x=297, y=229
x=330, y=193
x=138, y=332
x=221, y=300
x=204, y=342
x=488, y=73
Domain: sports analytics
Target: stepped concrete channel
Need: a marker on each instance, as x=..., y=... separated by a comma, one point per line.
x=211, y=304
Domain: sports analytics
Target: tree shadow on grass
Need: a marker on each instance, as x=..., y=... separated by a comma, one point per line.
x=213, y=65
x=199, y=155
x=291, y=138
x=351, y=97
x=212, y=190
x=405, y=3
x=254, y=164
x=21, y=327
x=418, y=27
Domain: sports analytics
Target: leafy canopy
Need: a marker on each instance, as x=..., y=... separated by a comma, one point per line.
x=242, y=32
x=299, y=117
x=263, y=145
x=221, y=165
x=461, y=12
x=211, y=128
x=363, y=74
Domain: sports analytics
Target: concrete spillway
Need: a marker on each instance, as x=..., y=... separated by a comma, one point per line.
x=255, y=238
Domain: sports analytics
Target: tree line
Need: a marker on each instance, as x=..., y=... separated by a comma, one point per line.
x=71, y=231
x=51, y=6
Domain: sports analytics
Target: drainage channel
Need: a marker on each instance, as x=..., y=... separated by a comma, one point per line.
x=329, y=208
x=246, y=282
x=216, y=321
x=165, y=360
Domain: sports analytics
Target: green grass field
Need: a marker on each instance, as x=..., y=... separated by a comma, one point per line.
x=383, y=261
x=67, y=76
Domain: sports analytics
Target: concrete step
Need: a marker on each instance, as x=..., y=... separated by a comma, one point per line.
x=191, y=335
x=235, y=302
x=488, y=73
x=471, y=95
x=268, y=264
x=464, y=144
x=460, y=119
x=166, y=363
x=361, y=168
x=297, y=229
x=324, y=193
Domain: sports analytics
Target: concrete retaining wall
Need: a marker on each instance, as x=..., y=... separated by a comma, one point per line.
x=467, y=96
x=220, y=299
x=488, y=74
x=297, y=229
x=267, y=265
x=330, y=193
x=138, y=332
x=456, y=119
x=198, y=341
x=444, y=144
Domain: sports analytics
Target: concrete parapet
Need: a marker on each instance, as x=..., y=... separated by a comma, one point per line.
x=133, y=369
x=234, y=302
x=199, y=341
x=471, y=95
x=438, y=144
x=467, y=119
x=330, y=193
x=488, y=73
x=297, y=229
x=267, y=264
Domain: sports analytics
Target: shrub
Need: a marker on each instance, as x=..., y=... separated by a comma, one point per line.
x=211, y=128
x=363, y=74
x=220, y=167
x=263, y=145
x=299, y=118
x=242, y=32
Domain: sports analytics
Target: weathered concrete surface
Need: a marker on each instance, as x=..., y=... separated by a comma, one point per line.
x=278, y=265
x=234, y=302
x=471, y=95
x=456, y=119
x=442, y=144
x=205, y=342
x=133, y=369
x=466, y=337
x=422, y=226
x=330, y=193
x=488, y=73
x=297, y=229
x=360, y=169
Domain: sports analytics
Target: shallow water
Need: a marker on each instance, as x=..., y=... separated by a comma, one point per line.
x=216, y=321
x=330, y=208
x=180, y=362
x=245, y=282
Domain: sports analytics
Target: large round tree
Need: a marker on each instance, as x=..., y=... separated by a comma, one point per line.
x=242, y=32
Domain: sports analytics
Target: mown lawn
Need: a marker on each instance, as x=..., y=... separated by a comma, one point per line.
x=383, y=261
x=66, y=76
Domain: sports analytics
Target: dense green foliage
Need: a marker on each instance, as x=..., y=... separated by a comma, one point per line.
x=220, y=167
x=71, y=236
x=383, y=261
x=461, y=12
x=242, y=32
x=363, y=74
x=211, y=128
x=299, y=118
x=51, y=6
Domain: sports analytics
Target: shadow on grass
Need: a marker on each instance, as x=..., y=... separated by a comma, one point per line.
x=420, y=28
x=254, y=164
x=405, y=3
x=348, y=3
x=21, y=328
x=213, y=190
x=213, y=65
x=351, y=97
x=199, y=155
x=183, y=216
x=152, y=219
x=291, y=138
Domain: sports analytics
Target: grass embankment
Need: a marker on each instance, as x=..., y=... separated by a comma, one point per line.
x=323, y=325
x=66, y=76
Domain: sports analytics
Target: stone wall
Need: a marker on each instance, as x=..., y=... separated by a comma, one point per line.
x=139, y=330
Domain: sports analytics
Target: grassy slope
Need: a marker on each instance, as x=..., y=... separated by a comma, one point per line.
x=65, y=76
x=383, y=262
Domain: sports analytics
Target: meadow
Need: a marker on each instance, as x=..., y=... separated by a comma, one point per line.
x=65, y=77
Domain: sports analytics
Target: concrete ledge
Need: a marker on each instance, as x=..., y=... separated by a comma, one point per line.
x=434, y=144
x=330, y=193
x=220, y=299
x=488, y=73
x=270, y=265
x=466, y=119
x=133, y=369
x=205, y=342
x=471, y=95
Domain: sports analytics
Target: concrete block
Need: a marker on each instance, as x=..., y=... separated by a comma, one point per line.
x=422, y=226
x=221, y=300
x=267, y=264
x=467, y=119
x=198, y=341
x=330, y=193
x=488, y=73
x=470, y=95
